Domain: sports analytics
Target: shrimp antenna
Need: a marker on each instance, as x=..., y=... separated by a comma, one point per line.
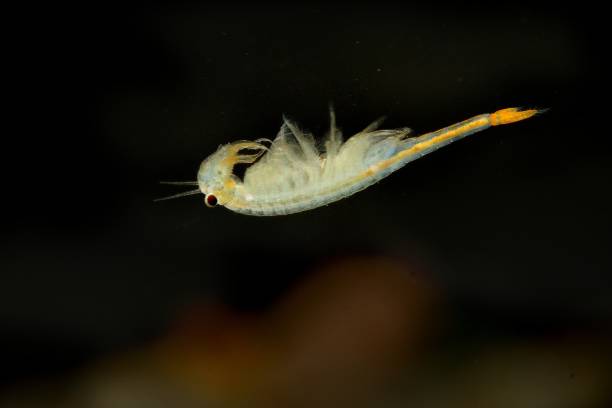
x=186, y=193
x=180, y=183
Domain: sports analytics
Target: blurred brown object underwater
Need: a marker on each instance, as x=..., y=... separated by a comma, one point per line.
x=342, y=332
x=352, y=334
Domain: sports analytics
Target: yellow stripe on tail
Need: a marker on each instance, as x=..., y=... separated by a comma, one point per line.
x=510, y=115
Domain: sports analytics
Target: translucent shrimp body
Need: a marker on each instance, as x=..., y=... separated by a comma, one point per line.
x=292, y=175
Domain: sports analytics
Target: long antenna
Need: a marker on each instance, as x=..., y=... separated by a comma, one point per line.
x=186, y=193
x=180, y=183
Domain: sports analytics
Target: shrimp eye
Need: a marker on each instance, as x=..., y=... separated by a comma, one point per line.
x=210, y=200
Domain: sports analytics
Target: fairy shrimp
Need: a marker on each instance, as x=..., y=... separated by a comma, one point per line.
x=291, y=174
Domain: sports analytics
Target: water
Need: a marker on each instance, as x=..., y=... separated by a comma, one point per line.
x=478, y=275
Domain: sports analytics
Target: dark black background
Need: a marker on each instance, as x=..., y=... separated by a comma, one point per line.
x=516, y=220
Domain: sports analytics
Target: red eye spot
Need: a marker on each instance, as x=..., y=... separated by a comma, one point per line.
x=211, y=200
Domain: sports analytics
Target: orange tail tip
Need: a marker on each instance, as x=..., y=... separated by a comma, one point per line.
x=510, y=115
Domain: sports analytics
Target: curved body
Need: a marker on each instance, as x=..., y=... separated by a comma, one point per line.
x=293, y=175
x=347, y=180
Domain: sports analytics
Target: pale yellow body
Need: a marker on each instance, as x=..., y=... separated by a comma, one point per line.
x=291, y=175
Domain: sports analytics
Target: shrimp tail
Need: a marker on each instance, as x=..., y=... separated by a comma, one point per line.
x=415, y=147
x=511, y=115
